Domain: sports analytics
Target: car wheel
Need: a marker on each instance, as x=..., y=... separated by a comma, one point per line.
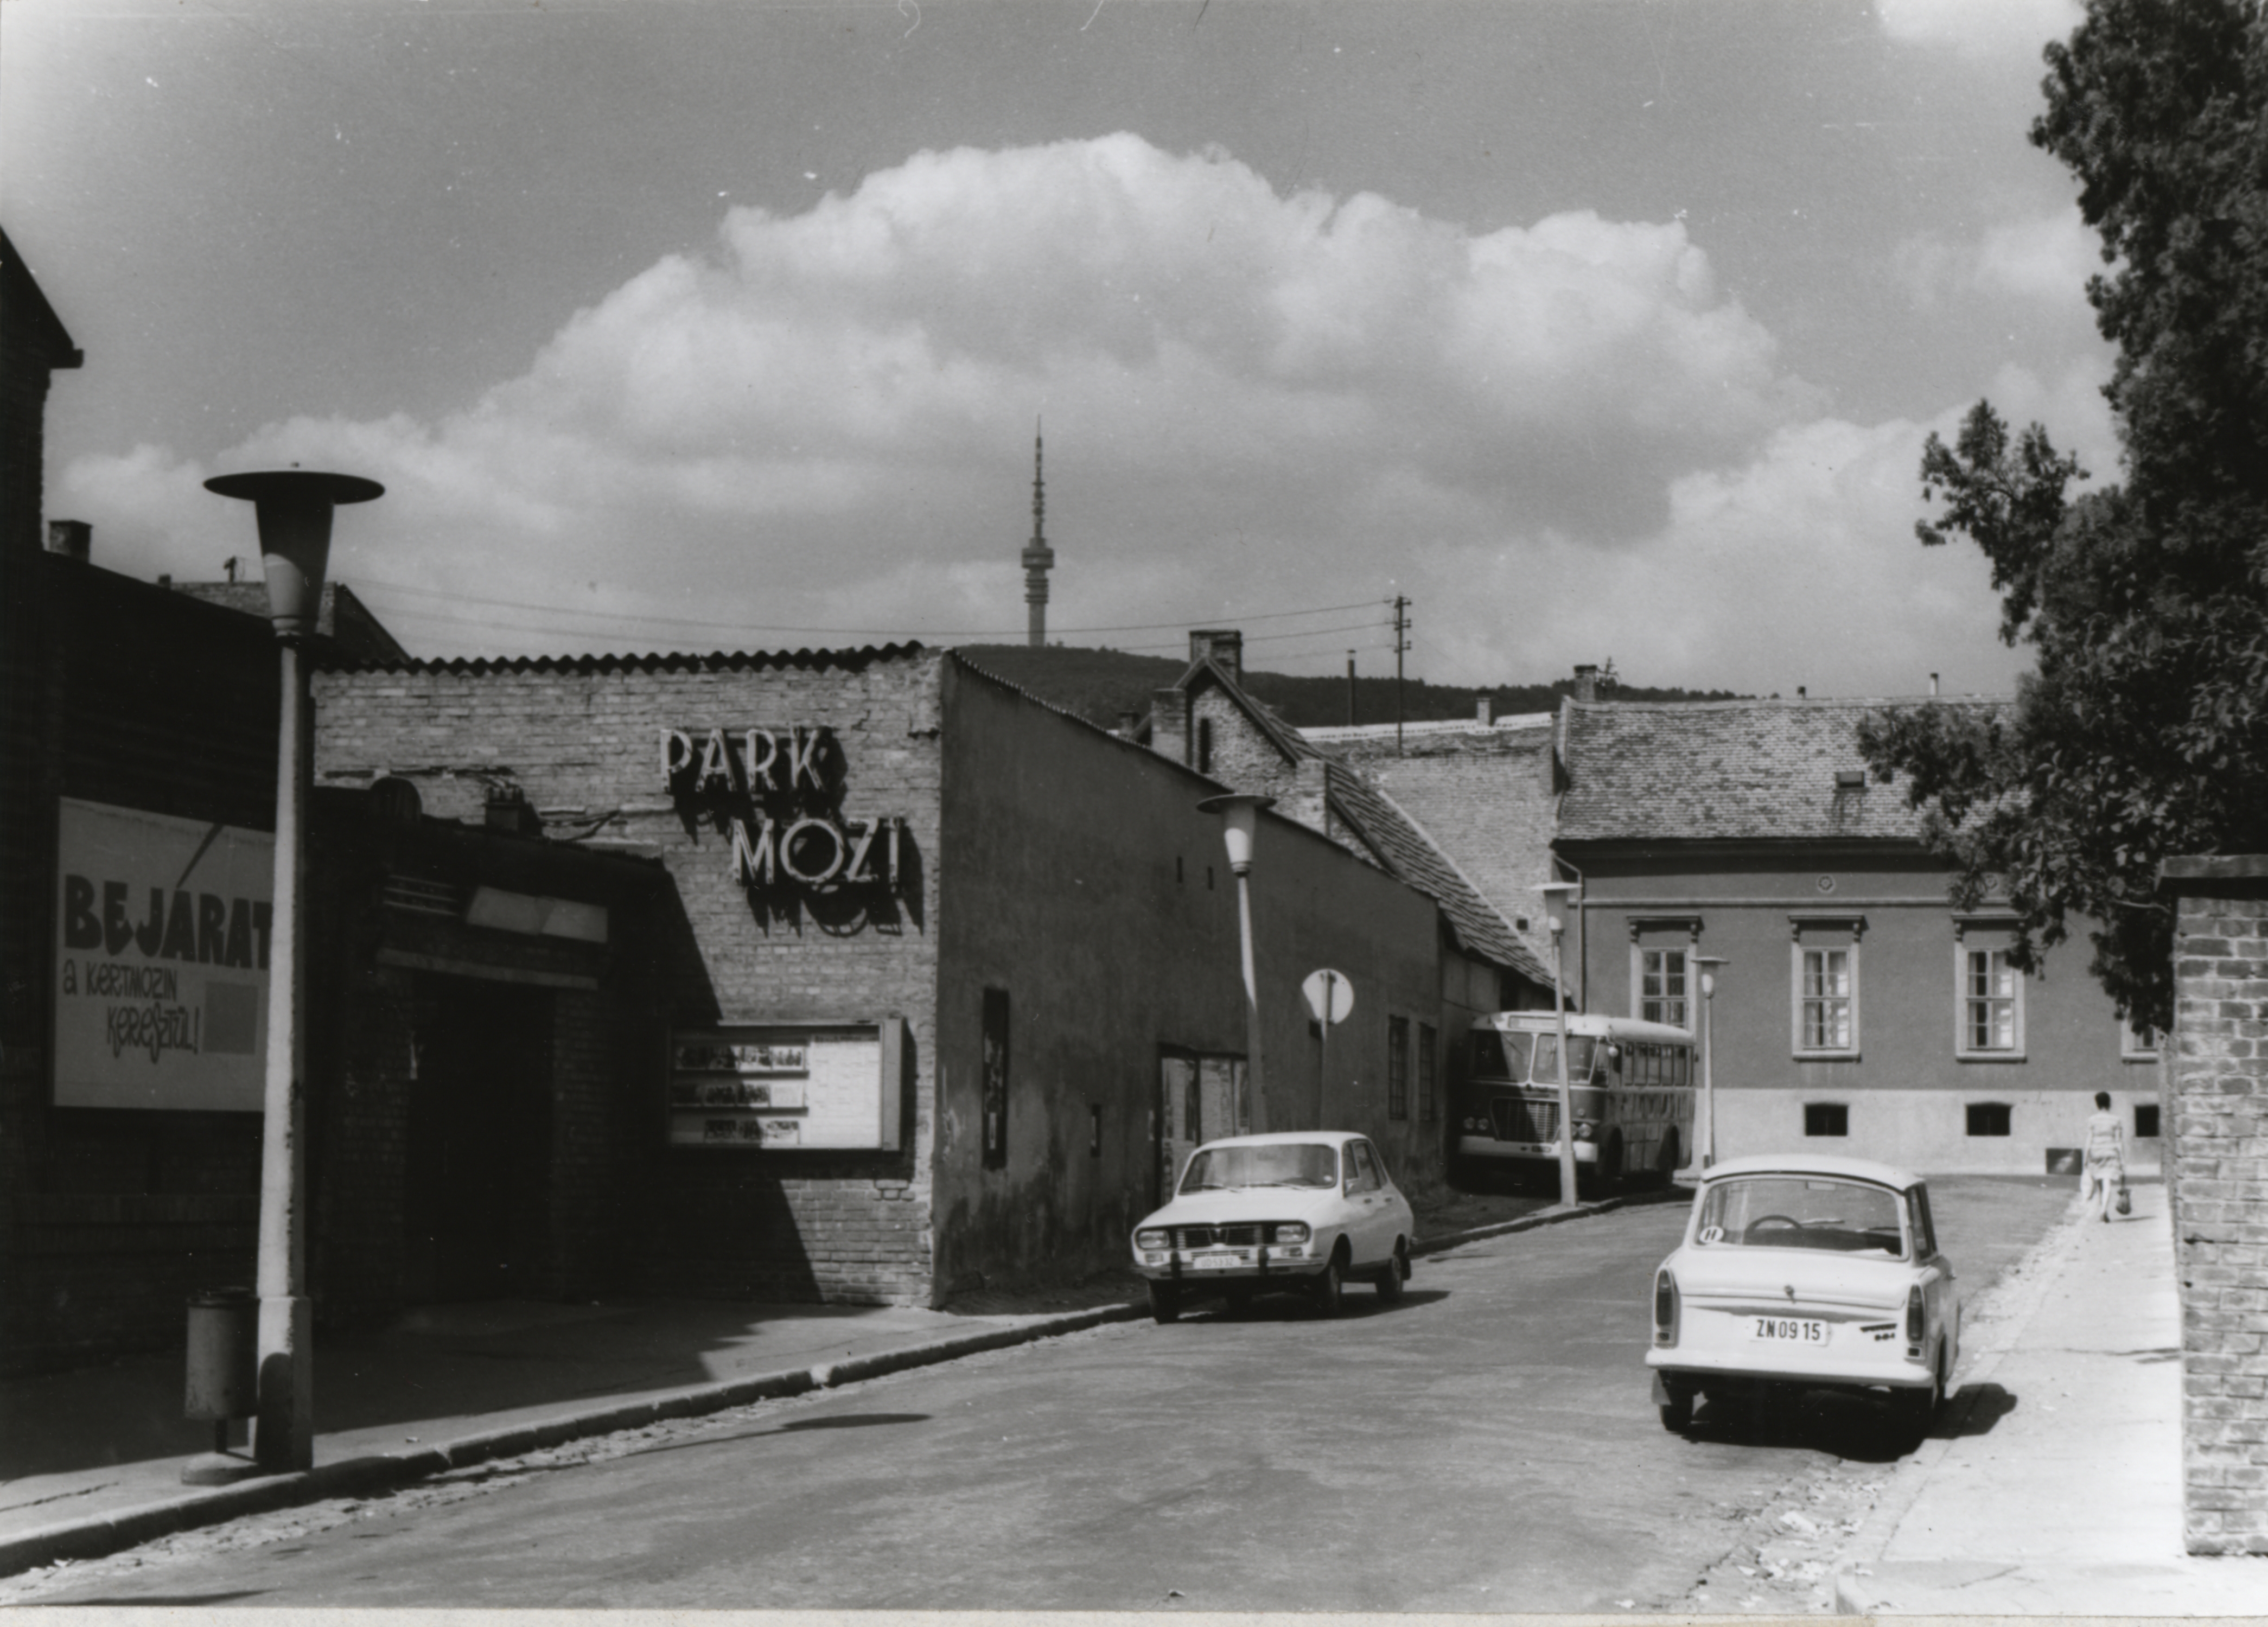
x=1395, y=1274
x=1677, y=1412
x=1330, y=1288
x=1165, y=1302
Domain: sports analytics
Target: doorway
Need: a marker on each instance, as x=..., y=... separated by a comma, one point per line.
x=479, y=1165
x=1200, y=1098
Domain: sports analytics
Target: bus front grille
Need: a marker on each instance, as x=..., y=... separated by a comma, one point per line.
x=1526, y=1121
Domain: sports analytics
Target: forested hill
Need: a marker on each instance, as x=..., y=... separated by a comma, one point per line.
x=1101, y=684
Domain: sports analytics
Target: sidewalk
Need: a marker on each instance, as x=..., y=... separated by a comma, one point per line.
x=90, y=1460
x=2054, y=1487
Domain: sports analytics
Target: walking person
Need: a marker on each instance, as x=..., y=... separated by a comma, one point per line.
x=2106, y=1156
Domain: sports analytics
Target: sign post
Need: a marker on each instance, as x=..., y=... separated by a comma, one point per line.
x=1331, y=997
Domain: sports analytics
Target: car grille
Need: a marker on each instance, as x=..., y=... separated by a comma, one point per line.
x=1217, y=1236
x=1519, y=1120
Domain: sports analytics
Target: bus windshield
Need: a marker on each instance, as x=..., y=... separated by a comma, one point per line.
x=1521, y=1057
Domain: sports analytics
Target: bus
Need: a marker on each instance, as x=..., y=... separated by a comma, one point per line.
x=1631, y=1084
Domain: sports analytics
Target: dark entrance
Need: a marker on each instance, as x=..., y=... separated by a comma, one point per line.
x=479, y=1141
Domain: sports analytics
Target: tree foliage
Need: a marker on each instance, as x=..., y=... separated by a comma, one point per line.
x=2143, y=731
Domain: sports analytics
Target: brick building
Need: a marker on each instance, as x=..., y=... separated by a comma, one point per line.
x=1856, y=1010
x=2217, y=1172
x=935, y=984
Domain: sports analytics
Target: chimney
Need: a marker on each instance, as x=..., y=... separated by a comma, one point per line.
x=1169, y=723
x=165, y=580
x=73, y=538
x=1224, y=644
x=1801, y=694
x=1587, y=681
x=1129, y=722
x=1309, y=802
x=1482, y=708
x=1932, y=686
x=509, y=814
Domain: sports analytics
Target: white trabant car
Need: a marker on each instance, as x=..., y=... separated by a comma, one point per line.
x=1806, y=1272
x=1307, y=1210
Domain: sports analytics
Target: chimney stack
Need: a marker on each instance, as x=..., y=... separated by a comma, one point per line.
x=1129, y=722
x=1587, y=681
x=73, y=538
x=1224, y=644
x=1482, y=710
x=1932, y=686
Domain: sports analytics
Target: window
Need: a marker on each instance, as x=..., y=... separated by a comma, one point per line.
x=1826, y=992
x=1991, y=1004
x=1925, y=1229
x=2138, y=1045
x=1661, y=986
x=1363, y=1172
x=2146, y=1119
x=1204, y=745
x=1398, y=1067
x=1428, y=1043
x=1988, y=1118
x=1826, y=1118
x=994, y=1083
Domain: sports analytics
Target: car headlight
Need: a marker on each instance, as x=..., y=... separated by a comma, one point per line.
x=1153, y=1237
x=1289, y=1232
x=1586, y=1131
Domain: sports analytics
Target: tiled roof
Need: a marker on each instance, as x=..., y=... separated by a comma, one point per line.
x=1727, y=770
x=1400, y=844
x=1330, y=735
x=658, y=661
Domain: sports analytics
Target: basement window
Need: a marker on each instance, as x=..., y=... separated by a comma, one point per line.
x=1826, y=1118
x=1988, y=1118
x=2146, y=1121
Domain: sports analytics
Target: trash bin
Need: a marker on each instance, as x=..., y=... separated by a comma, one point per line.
x=224, y=1364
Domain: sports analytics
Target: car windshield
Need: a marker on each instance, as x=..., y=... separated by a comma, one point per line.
x=1283, y=1163
x=1801, y=1212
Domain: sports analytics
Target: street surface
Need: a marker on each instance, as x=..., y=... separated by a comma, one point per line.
x=1486, y=1444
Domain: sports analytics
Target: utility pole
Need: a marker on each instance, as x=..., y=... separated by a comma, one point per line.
x=1401, y=643
x=1351, y=719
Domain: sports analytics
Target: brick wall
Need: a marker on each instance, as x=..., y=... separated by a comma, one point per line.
x=2217, y=1169
x=581, y=741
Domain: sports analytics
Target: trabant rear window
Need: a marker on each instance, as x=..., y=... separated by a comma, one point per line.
x=1283, y=1163
x=1801, y=1212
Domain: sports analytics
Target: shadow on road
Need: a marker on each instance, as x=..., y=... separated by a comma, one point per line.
x=1846, y=1426
x=1982, y=1406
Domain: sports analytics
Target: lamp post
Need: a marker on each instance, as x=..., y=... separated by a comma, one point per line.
x=1240, y=817
x=1555, y=898
x=1708, y=963
x=294, y=509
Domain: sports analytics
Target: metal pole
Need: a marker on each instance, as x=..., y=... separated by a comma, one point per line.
x=1323, y=1055
x=1254, y=1075
x=1566, y=1094
x=285, y=1438
x=1708, y=963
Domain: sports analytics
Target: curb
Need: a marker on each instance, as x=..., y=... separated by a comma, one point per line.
x=93, y=1537
x=96, y=1536
x=1852, y=1595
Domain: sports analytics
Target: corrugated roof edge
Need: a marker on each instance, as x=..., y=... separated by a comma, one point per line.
x=659, y=660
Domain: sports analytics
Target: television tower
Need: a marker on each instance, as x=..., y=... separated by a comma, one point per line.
x=1038, y=557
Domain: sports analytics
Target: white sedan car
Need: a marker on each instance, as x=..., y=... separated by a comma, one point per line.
x=1308, y=1210
x=1806, y=1272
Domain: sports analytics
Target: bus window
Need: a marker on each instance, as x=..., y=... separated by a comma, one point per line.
x=1681, y=1067
x=1499, y=1056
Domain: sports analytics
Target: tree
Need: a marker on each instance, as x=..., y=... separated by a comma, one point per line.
x=2143, y=731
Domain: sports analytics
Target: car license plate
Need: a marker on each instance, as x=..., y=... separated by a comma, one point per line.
x=1786, y=1330
x=1217, y=1262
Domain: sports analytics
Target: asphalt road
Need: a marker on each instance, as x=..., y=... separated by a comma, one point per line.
x=1488, y=1444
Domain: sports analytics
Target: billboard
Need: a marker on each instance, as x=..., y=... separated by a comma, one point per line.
x=161, y=960
x=783, y=1085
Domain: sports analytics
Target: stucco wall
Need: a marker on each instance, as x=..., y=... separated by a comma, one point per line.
x=1079, y=875
x=1907, y=1090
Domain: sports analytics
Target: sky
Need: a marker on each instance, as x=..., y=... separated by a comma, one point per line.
x=1597, y=329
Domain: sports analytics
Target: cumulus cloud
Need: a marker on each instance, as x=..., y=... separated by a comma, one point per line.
x=1564, y=438
x=1978, y=28
x=2044, y=262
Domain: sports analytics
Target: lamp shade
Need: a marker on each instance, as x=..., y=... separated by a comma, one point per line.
x=293, y=508
x=1239, y=814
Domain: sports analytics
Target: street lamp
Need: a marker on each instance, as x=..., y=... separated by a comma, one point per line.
x=1240, y=816
x=1708, y=963
x=294, y=509
x=1555, y=897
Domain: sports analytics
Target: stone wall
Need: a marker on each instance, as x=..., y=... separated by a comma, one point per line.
x=2217, y=1171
